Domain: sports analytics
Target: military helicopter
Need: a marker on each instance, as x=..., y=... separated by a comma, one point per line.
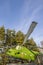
x=20, y=51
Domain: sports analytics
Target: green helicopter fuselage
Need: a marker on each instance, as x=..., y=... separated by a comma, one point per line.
x=22, y=52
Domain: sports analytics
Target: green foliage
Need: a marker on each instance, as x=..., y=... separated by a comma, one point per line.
x=10, y=36
x=2, y=33
x=19, y=37
x=30, y=44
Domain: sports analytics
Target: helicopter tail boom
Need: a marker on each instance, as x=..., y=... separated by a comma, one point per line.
x=30, y=30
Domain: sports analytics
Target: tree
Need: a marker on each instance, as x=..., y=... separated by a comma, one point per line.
x=30, y=44
x=2, y=33
x=10, y=36
x=19, y=37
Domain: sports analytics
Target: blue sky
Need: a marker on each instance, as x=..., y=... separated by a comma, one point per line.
x=18, y=15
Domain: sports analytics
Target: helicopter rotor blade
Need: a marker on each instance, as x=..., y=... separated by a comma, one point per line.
x=30, y=30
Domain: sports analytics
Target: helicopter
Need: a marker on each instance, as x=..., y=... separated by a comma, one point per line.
x=20, y=51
